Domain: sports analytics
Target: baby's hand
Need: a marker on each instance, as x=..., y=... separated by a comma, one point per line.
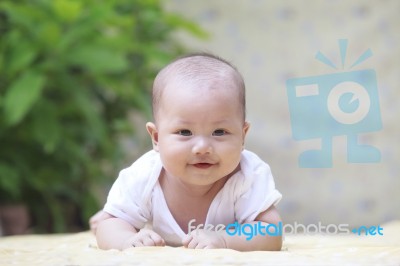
x=204, y=239
x=146, y=237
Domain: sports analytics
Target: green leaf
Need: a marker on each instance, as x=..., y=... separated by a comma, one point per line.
x=46, y=129
x=67, y=10
x=49, y=34
x=15, y=13
x=21, y=96
x=93, y=120
x=98, y=59
x=22, y=57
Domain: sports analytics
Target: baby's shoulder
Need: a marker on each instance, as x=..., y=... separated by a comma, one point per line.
x=251, y=164
x=143, y=172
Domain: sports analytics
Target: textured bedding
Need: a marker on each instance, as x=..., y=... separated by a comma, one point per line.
x=81, y=249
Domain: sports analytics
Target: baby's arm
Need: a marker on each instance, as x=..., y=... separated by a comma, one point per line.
x=258, y=242
x=97, y=218
x=115, y=233
x=206, y=239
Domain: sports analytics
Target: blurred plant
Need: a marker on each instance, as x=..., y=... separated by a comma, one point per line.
x=69, y=72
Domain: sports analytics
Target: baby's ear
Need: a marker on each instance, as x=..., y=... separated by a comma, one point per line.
x=152, y=129
x=246, y=127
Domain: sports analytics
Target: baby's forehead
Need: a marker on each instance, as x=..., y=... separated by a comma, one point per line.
x=197, y=99
x=198, y=73
x=192, y=89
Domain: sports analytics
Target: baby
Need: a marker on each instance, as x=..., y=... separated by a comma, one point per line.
x=198, y=172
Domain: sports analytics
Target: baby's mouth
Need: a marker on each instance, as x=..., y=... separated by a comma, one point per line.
x=202, y=165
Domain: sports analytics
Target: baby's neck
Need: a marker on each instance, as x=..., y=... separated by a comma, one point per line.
x=190, y=191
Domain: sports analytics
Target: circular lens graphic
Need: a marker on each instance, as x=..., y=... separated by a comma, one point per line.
x=348, y=102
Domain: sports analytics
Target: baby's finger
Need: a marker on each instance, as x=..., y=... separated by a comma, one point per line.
x=137, y=243
x=186, y=240
x=148, y=242
x=193, y=243
x=157, y=239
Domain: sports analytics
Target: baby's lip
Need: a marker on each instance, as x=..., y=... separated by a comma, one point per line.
x=203, y=165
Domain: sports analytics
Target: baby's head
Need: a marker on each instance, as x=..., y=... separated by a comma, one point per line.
x=199, y=71
x=199, y=113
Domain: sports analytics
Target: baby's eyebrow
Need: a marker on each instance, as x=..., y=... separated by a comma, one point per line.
x=183, y=121
x=222, y=121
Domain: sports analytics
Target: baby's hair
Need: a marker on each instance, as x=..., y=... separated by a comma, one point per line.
x=198, y=68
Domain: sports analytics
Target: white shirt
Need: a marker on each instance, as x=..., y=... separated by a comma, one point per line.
x=137, y=197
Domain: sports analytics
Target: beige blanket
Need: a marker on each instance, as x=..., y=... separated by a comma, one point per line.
x=81, y=249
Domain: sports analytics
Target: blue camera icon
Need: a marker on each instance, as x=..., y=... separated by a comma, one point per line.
x=335, y=104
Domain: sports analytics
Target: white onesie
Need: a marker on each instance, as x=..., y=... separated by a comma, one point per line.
x=137, y=197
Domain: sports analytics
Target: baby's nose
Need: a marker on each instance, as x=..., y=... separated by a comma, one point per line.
x=202, y=146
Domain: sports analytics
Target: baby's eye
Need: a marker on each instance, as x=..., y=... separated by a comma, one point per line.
x=219, y=132
x=185, y=132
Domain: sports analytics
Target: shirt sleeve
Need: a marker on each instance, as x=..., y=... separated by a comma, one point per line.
x=256, y=191
x=130, y=195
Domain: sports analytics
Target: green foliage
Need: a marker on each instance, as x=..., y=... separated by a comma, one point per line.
x=69, y=72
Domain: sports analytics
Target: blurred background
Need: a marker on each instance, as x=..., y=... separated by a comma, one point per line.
x=75, y=83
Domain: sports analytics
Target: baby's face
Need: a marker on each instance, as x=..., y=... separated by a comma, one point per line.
x=200, y=133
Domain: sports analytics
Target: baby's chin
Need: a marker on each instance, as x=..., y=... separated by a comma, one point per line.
x=207, y=180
